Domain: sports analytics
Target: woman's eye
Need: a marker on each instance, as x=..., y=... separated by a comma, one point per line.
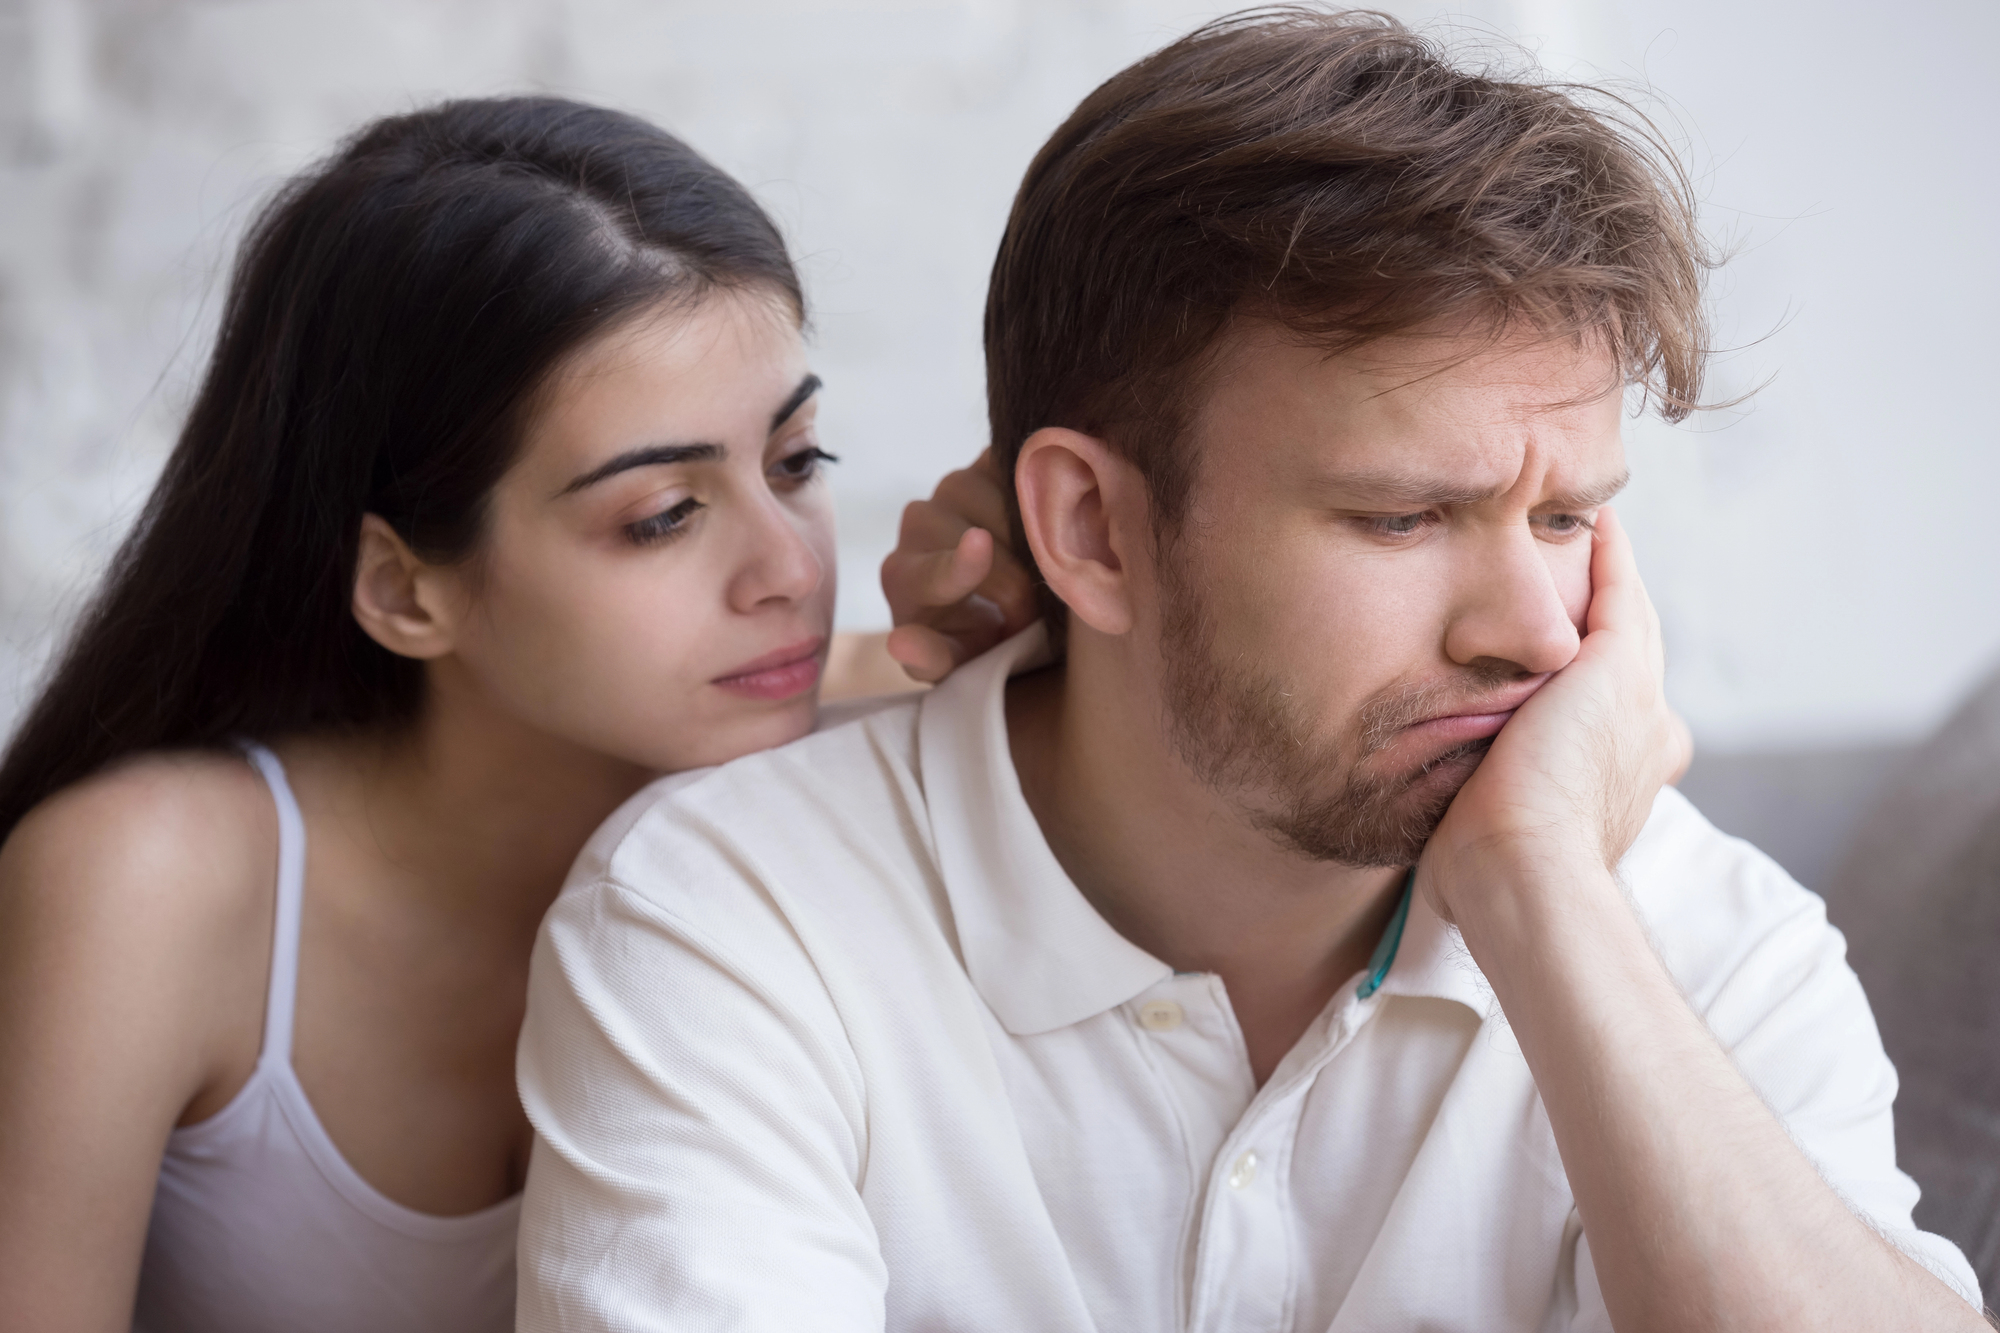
x=1400, y=525
x=662, y=525
x=803, y=465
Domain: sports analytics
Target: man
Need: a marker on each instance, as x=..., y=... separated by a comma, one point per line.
x=1314, y=947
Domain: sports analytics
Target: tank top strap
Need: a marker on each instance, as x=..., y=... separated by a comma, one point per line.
x=284, y=991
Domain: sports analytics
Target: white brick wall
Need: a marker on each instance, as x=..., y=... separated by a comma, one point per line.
x=1826, y=565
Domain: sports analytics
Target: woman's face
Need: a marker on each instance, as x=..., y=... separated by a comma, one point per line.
x=657, y=577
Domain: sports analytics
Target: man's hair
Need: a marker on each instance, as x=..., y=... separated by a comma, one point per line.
x=1332, y=171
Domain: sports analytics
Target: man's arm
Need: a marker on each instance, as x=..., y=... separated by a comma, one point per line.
x=1700, y=1211
x=698, y=1131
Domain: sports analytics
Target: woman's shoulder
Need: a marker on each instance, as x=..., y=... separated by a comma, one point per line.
x=169, y=845
x=136, y=909
x=135, y=935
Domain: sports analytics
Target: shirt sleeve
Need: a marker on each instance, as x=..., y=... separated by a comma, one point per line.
x=1809, y=1046
x=1778, y=994
x=699, y=1128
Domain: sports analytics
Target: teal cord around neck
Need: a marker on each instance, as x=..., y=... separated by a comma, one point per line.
x=1385, y=952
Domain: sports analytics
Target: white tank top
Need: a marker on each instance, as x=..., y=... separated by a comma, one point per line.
x=259, y=1224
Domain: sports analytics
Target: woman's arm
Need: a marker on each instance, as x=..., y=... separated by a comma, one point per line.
x=133, y=948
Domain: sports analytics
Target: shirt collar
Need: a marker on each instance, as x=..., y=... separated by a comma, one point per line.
x=1433, y=962
x=1039, y=953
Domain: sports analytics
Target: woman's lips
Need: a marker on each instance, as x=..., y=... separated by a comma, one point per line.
x=782, y=674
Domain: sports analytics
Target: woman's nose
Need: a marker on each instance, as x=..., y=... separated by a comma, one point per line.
x=779, y=563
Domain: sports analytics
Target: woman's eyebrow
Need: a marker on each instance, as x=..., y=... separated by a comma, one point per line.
x=807, y=388
x=658, y=455
x=651, y=455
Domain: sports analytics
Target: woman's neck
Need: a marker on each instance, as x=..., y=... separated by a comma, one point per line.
x=467, y=808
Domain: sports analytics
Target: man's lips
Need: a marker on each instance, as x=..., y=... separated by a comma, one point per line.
x=1456, y=729
x=781, y=674
x=1473, y=721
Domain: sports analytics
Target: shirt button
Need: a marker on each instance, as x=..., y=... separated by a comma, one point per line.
x=1160, y=1015
x=1245, y=1171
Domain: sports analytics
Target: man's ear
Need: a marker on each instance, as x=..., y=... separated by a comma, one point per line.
x=404, y=604
x=1077, y=500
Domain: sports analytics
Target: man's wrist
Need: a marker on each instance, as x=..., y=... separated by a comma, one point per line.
x=1511, y=883
x=1539, y=905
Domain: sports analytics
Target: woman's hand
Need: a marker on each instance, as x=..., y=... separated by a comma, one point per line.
x=954, y=585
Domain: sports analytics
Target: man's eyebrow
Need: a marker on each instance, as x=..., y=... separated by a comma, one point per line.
x=1408, y=489
x=1588, y=497
x=1420, y=492
x=651, y=455
x=807, y=388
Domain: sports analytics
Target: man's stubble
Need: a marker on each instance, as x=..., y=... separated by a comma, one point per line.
x=1250, y=736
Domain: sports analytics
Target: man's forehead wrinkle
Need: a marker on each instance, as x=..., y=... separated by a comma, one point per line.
x=1513, y=380
x=1512, y=403
x=1464, y=486
x=1404, y=423
x=1436, y=398
x=1410, y=382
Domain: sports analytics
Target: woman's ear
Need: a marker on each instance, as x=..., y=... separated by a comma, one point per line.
x=403, y=603
x=1078, y=502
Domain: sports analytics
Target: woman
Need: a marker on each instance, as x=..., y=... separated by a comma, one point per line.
x=500, y=498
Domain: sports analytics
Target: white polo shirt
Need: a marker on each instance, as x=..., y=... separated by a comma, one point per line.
x=825, y=1039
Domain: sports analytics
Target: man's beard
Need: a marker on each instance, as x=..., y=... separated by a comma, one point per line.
x=1252, y=738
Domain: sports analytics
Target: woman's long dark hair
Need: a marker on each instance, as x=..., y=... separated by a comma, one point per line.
x=390, y=317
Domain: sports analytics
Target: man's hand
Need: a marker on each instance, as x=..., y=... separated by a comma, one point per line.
x=1571, y=778
x=1700, y=1211
x=954, y=587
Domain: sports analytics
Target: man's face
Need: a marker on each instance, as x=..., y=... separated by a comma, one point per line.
x=1384, y=554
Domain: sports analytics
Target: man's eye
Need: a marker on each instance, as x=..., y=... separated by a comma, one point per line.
x=1400, y=525
x=803, y=465
x=665, y=524
x=1563, y=525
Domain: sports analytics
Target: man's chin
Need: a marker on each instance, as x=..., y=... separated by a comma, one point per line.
x=1445, y=773
x=1374, y=820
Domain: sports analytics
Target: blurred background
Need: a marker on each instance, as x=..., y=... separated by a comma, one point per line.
x=1825, y=558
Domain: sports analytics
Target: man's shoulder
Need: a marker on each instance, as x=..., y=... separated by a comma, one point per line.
x=804, y=874
x=1718, y=908
x=795, y=815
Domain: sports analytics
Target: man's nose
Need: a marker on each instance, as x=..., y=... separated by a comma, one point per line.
x=1508, y=606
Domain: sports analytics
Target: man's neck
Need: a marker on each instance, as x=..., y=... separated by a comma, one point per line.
x=1178, y=871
